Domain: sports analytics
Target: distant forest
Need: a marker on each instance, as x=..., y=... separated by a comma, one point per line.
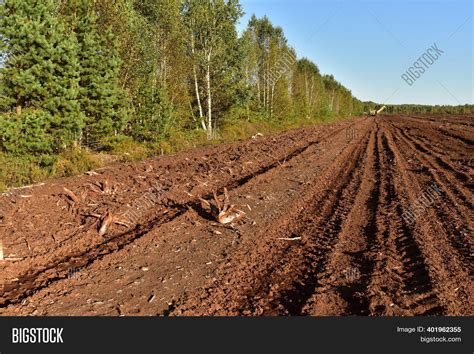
x=140, y=77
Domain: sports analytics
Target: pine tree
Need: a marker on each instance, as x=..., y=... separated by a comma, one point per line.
x=101, y=99
x=26, y=134
x=41, y=70
x=157, y=116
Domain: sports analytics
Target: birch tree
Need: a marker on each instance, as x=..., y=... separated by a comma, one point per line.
x=210, y=28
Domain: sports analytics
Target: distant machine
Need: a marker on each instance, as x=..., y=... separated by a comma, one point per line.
x=374, y=112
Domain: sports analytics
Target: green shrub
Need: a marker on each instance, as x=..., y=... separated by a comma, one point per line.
x=126, y=148
x=74, y=161
x=16, y=172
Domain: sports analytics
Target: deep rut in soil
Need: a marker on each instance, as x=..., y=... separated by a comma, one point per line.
x=325, y=233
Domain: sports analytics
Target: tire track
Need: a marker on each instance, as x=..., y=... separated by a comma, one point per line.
x=457, y=208
x=56, y=267
x=325, y=233
x=438, y=164
x=283, y=286
x=447, y=273
x=347, y=273
x=413, y=293
x=391, y=276
x=292, y=295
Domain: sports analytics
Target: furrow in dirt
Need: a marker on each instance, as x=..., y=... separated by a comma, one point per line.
x=40, y=279
x=383, y=272
x=288, y=259
x=344, y=279
x=447, y=272
x=455, y=207
x=326, y=230
x=450, y=175
x=402, y=284
x=68, y=255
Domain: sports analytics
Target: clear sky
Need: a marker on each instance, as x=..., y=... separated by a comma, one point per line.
x=368, y=45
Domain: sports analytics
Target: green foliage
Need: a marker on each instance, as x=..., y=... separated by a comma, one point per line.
x=41, y=69
x=421, y=109
x=101, y=100
x=26, y=133
x=365, y=107
x=126, y=148
x=215, y=57
x=74, y=161
x=156, y=118
x=19, y=171
x=133, y=78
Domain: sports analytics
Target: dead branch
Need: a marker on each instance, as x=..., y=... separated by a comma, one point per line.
x=222, y=211
x=71, y=195
x=289, y=238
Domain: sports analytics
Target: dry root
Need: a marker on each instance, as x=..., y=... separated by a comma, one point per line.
x=71, y=195
x=106, y=220
x=223, y=212
x=104, y=187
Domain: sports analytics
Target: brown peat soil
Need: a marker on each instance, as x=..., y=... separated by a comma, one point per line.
x=325, y=230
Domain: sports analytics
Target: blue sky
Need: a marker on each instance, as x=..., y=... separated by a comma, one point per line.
x=368, y=45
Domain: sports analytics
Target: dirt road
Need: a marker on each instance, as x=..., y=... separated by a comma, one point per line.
x=372, y=216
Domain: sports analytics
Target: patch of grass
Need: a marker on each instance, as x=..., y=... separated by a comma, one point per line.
x=18, y=171
x=73, y=162
x=126, y=149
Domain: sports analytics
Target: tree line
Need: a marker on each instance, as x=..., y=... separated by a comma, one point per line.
x=77, y=71
x=420, y=109
x=101, y=73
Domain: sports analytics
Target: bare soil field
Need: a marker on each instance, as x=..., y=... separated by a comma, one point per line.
x=371, y=216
